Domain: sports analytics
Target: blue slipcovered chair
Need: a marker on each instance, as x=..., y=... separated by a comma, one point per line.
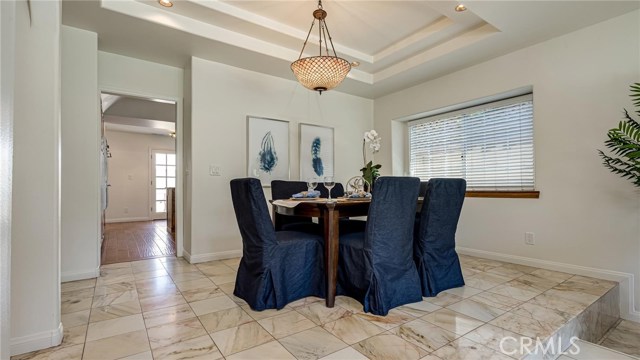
x=423, y=188
x=336, y=191
x=435, y=236
x=276, y=267
x=376, y=266
x=283, y=189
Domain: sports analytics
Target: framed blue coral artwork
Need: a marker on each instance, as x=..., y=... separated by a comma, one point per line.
x=267, y=149
x=316, y=152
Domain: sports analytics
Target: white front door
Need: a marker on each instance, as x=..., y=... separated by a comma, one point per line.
x=163, y=176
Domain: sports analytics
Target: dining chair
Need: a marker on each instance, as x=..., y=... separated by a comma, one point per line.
x=376, y=265
x=283, y=189
x=276, y=267
x=336, y=192
x=423, y=188
x=435, y=236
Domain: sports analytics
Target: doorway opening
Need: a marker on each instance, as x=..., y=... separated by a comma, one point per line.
x=140, y=162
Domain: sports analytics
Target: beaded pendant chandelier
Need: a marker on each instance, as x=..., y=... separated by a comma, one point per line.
x=323, y=72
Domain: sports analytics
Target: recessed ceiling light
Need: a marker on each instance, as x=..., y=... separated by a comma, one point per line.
x=461, y=8
x=165, y=3
x=355, y=63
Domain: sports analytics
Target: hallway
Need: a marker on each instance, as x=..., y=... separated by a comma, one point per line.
x=131, y=241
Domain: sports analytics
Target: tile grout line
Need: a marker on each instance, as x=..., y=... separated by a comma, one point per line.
x=389, y=331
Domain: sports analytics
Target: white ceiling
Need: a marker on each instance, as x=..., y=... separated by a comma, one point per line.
x=146, y=116
x=398, y=43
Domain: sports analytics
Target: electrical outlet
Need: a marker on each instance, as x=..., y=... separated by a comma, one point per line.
x=126, y=210
x=529, y=238
x=214, y=170
x=130, y=177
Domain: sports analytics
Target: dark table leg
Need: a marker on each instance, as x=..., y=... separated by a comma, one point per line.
x=331, y=238
x=276, y=218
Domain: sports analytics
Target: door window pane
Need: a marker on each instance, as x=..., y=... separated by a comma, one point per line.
x=171, y=159
x=161, y=159
x=171, y=182
x=171, y=171
x=161, y=171
x=160, y=206
x=161, y=183
x=161, y=194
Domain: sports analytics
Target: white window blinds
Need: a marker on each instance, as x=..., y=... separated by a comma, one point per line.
x=491, y=145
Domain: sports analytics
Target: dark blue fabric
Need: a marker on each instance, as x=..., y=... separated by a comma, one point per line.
x=423, y=188
x=375, y=266
x=283, y=189
x=336, y=191
x=276, y=267
x=435, y=236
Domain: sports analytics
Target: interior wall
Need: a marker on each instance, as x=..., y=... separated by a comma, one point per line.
x=35, y=242
x=222, y=97
x=586, y=216
x=7, y=69
x=130, y=175
x=80, y=200
x=129, y=76
x=186, y=156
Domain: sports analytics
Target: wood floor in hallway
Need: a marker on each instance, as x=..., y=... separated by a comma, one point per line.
x=139, y=240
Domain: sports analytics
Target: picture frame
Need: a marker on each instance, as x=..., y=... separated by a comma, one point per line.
x=268, y=149
x=316, y=147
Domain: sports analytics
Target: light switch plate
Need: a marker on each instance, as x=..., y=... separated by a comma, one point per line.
x=214, y=170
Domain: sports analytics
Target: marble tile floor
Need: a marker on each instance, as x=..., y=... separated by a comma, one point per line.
x=167, y=308
x=589, y=351
x=624, y=337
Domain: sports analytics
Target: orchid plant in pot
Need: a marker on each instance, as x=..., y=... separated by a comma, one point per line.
x=370, y=172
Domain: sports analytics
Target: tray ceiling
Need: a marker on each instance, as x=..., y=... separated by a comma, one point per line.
x=397, y=43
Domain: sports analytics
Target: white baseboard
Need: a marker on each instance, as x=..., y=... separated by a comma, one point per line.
x=80, y=275
x=132, y=219
x=199, y=258
x=38, y=341
x=626, y=280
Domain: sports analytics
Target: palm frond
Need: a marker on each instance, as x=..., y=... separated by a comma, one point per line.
x=635, y=96
x=624, y=143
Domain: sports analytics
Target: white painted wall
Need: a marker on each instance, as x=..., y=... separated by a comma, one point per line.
x=35, y=243
x=129, y=173
x=186, y=156
x=7, y=69
x=128, y=76
x=222, y=96
x=80, y=202
x=585, y=216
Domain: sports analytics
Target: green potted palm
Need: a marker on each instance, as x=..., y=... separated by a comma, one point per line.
x=624, y=144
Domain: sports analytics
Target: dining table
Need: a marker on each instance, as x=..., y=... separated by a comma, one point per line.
x=329, y=213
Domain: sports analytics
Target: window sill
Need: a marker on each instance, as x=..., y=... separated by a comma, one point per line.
x=504, y=194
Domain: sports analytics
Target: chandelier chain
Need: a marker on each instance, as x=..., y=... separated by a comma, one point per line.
x=331, y=41
x=307, y=39
x=320, y=31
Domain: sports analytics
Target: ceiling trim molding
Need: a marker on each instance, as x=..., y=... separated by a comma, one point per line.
x=459, y=42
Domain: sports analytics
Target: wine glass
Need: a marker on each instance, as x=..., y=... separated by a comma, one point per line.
x=312, y=184
x=329, y=184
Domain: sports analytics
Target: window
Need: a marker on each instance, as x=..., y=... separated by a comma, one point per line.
x=165, y=177
x=491, y=145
